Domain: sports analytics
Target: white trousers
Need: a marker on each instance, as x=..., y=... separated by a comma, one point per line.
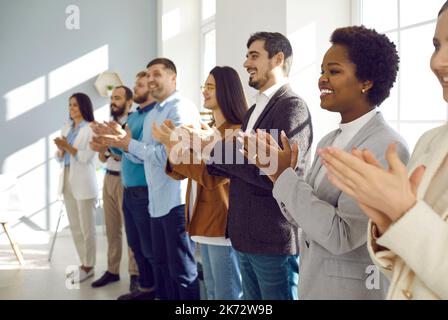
x=81, y=216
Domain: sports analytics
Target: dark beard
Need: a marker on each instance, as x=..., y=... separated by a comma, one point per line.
x=254, y=84
x=260, y=83
x=142, y=99
x=117, y=114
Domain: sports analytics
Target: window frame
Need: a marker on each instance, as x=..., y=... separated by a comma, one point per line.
x=207, y=25
x=356, y=16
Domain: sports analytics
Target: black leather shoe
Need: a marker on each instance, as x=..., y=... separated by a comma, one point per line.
x=105, y=279
x=134, y=283
x=138, y=295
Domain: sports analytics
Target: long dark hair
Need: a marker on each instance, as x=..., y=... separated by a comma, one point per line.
x=444, y=7
x=230, y=94
x=85, y=106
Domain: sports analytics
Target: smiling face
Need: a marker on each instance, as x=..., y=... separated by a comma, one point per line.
x=209, y=93
x=259, y=66
x=118, y=103
x=75, y=113
x=439, y=59
x=161, y=82
x=341, y=91
x=141, y=90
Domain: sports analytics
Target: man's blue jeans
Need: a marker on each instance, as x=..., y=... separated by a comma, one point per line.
x=174, y=261
x=222, y=275
x=269, y=277
x=138, y=232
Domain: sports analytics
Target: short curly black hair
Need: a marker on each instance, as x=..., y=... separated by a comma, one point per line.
x=375, y=57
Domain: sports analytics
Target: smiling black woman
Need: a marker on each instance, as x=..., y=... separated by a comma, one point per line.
x=408, y=208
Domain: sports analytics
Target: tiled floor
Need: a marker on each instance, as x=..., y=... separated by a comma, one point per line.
x=40, y=279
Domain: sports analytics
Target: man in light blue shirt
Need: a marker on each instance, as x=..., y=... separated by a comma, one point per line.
x=172, y=248
x=164, y=192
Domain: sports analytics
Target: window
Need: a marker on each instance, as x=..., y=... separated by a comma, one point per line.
x=208, y=9
x=416, y=103
x=208, y=40
x=209, y=60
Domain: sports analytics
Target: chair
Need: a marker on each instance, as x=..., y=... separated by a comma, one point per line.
x=61, y=214
x=9, y=204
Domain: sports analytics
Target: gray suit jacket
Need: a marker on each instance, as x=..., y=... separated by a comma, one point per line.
x=334, y=261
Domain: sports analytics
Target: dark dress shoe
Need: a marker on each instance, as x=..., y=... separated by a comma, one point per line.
x=134, y=283
x=138, y=295
x=105, y=279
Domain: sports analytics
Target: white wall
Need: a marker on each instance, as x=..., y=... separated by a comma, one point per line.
x=310, y=25
x=43, y=63
x=179, y=41
x=236, y=20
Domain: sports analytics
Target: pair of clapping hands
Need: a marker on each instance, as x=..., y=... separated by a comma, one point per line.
x=109, y=134
x=112, y=134
x=63, y=147
x=62, y=144
x=384, y=195
x=179, y=141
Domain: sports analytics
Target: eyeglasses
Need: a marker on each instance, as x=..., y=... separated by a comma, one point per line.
x=208, y=87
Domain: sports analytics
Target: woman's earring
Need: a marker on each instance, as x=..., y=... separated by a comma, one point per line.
x=363, y=91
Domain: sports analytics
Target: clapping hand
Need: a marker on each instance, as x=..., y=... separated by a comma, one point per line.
x=111, y=134
x=165, y=133
x=62, y=143
x=201, y=141
x=384, y=195
x=263, y=150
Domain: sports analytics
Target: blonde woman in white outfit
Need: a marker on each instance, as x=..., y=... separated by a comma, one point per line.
x=78, y=181
x=408, y=229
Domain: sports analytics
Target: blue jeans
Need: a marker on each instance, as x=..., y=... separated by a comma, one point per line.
x=222, y=276
x=138, y=232
x=269, y=277
x=176, y=269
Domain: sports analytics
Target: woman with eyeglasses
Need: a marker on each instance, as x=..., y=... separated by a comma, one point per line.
x=208, y=196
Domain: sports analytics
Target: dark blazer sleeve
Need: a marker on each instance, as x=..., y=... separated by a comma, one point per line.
x=290, y=114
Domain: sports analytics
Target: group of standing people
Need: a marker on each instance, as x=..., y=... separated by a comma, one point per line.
x=186, y=183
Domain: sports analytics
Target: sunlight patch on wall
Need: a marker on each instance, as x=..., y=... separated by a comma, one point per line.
x=304, y=38
x=25, y=98
x=78, y=71
x=103, y=113
x=171, y=24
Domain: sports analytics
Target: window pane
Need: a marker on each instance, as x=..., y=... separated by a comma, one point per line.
x=209, y=52
x=413, y=131
x=208, y=9
x=389, y=108
x=381, y=15
x=421, y=97
x=412, y=12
